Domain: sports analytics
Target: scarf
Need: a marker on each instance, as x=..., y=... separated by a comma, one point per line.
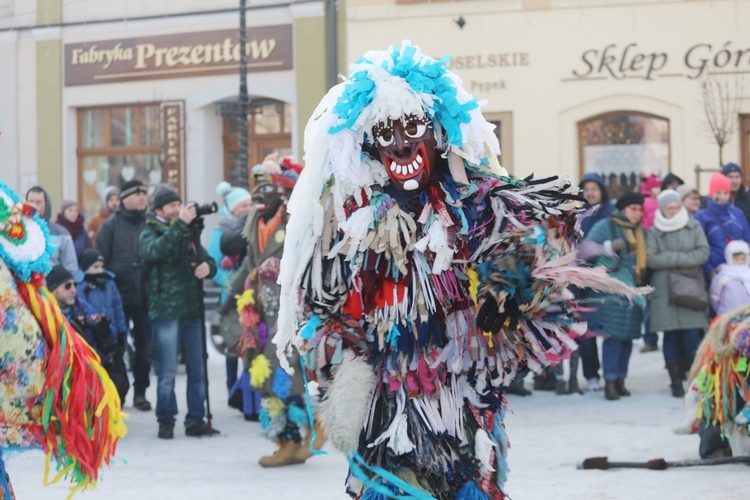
x=74, y=228
x=636, y=240
x=676, y=223
x=266, y=229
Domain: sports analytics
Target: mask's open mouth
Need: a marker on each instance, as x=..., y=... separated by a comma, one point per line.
x=407, y=170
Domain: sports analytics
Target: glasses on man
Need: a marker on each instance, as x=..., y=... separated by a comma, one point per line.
x=69, y=285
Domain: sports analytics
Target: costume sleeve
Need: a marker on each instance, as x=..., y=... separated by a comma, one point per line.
x=524, y=269
x=158, y=249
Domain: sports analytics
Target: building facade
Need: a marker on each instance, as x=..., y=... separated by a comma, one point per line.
x=608, y=86
x=97, y=93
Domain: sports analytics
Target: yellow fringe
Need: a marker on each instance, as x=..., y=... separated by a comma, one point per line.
x=259, y=370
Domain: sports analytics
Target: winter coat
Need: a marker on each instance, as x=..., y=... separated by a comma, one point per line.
x=721, y=223
x=728, y=291
x=105, y=299
x=686, y=247
x=603, y=210
x=615, y=317
x=81, y=308
x=173, y=290
x=65, y=252
x=95, y=223
x=223, y=276
x=742, y=201
x=118, y=242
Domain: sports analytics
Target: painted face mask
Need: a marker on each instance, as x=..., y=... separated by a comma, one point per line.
x=264, y=195
x=407, y=149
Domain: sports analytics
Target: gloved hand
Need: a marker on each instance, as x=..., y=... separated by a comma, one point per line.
x=618, y=245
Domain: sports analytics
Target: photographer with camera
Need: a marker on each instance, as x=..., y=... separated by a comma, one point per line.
x=175, y=262
x=92, y=326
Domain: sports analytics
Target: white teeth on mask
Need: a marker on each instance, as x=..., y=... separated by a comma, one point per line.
x=415, y=165
x=419, y=159
x=411, y=169
x=398, y=169
x=393, y=167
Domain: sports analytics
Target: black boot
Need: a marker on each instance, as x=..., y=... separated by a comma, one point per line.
x=516, y=387
x=675, y=376
x=610, y=391
x=620, y=386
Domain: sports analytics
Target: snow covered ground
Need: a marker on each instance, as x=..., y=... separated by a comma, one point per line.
x=549, y=435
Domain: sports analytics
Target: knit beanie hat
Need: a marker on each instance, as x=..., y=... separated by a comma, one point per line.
x=649, y=183
x=57, y=276
x=108, y=193
x=734, y=247
x=629, y=198
x=668, y=196
x=684, y=189
x=233, y=196
x=165, y=196
x=88, y=258
x=731, y=167
x=719, y=182
x=66, y=204
x=132, y=187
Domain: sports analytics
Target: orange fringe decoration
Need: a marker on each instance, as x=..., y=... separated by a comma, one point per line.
x=81, y=417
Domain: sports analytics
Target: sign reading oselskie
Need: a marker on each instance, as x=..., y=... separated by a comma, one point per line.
x=268, y=48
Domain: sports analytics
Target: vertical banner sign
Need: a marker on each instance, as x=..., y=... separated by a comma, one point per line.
x=173, y=141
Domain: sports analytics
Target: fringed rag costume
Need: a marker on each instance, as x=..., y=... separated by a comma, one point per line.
x=54, y=393
x=282, y=403
x=721, y=378
x=419, y=280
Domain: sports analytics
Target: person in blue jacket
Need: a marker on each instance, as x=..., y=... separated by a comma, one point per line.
x=721, y=221
x=237, y=204
x=91, y=325
x=96, y=286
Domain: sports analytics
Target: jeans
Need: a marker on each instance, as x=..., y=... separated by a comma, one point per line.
x=142, y=336
x=589, y=357
x=232, y=364
x=615, y=358
x=650, y=339
x=170, y=335
x=681, y=345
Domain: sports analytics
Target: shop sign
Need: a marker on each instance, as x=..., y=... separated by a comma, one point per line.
x=173, y=144
x=619, y=62
x=492, y=61
x=268, y=48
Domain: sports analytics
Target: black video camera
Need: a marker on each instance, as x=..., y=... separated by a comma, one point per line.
x=207, y=209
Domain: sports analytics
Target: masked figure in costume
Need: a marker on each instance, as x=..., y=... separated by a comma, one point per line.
x=419, y=280
x=54, y=392
x=283, y=414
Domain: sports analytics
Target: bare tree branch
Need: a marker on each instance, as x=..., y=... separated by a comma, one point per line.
x=721, y=95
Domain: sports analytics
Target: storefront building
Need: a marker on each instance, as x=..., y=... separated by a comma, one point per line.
x=150, y=92
x=603, y=86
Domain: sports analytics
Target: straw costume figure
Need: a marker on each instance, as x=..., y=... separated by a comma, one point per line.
x=419, y=280
x=54, y=392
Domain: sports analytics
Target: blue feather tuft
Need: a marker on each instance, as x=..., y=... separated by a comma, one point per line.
x=297, y=415
x=282, y=384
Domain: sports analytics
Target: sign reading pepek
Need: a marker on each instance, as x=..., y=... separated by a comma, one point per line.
x=268, y=48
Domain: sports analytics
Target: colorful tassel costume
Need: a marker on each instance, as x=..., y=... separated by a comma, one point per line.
x=419, y=279
x=54, y=393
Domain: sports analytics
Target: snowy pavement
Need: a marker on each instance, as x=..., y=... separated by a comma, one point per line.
x=549, y=434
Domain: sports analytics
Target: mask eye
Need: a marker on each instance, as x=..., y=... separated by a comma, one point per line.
x=385, y=138
x=415, y=130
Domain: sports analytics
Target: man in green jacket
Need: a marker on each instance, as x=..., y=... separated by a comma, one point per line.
x=175, y=265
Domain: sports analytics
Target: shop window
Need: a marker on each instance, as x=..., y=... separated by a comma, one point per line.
x=117, y=144
x=269, y=131
x=503, y=123
x=745, y=144
x=622, y=147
